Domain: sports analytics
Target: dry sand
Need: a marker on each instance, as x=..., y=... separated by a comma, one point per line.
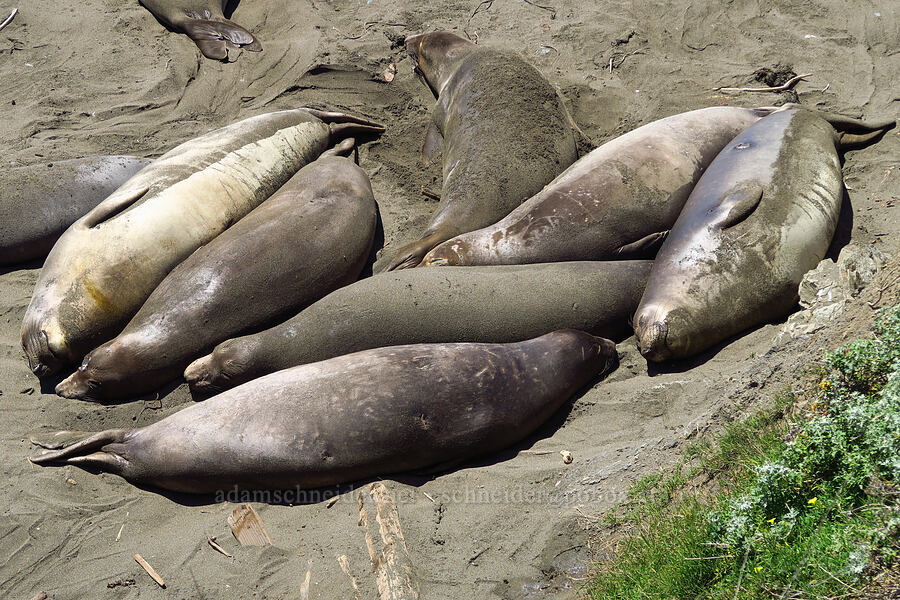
x=103, y=77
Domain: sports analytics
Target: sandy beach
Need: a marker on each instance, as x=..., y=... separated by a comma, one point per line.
x=104, y=77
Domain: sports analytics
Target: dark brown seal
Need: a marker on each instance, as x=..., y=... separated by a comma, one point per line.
x=617, y=201
x=352, y=417
x=204, y=22
x=762, y=215
x=105, y=266
x=312, y=236
x=38, y=202
x=472, y=304
x=503, y=131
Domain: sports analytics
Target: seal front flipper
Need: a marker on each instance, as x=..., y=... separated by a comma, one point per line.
x=434, y=145
x=739, y=205
x=112, y=206
x=411, y=255
x=647, y=246
x=214, y=38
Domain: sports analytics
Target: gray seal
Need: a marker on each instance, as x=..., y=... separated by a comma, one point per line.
x=106, y=264
x=762, y=215
x=472, y=304
x=312, y=236
x=204, y=22
x=353, y=417
x=617, y=201
x=501, y=128
x=39, y=202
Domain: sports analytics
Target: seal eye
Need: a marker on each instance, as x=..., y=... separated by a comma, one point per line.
x=743, y=145
x=93, y=384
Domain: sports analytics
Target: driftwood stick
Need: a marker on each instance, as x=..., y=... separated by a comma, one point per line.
x=345, y=567
x=780, y=88
x=9, y=19
x=390, y=557
x=211, y=540
x=304, y=587
x=150, y=570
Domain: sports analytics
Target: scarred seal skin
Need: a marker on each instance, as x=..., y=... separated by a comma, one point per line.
x=204, y=22
x=761, y=216
x=311, y=237
x=473, y=304
x=618, y=201
x=108, y=262
x=39, y=202
x=503, y=131
x=352, y=417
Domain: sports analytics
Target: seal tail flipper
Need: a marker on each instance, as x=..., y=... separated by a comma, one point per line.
x=82, y=452
x=342, y=124
x=411, y=255
x=854, y=133
x=213, y=37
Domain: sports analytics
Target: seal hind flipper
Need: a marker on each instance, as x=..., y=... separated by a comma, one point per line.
x=213, y=37
x=83, y=452
x=854, y=133
x=339, y=117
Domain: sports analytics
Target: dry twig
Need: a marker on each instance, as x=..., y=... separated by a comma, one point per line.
x=150, y=570
x=9, y=19
x=211, y=540
x=550, y=8
x=780, y=88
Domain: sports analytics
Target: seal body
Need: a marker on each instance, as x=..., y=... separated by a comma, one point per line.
x=108, y=262
x=312, y=236
x=356, y=416
x=40, y=201
x=502, y=130
x=762, y=215
x=474, y=304
x=617, y=201
x=204, y=22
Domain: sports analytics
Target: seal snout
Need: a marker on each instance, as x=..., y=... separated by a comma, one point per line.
x=199, y=374
x=651, y=333
x=41, y=358
x=77, y=386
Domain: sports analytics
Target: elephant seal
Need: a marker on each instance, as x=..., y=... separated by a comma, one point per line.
x=40, y=201
x=108, y=262
x=353, y=417
x=503, y=131
x=312, y=236
x=761, y=216
x=204, y=22
x=617, y=201
x=474, y=304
